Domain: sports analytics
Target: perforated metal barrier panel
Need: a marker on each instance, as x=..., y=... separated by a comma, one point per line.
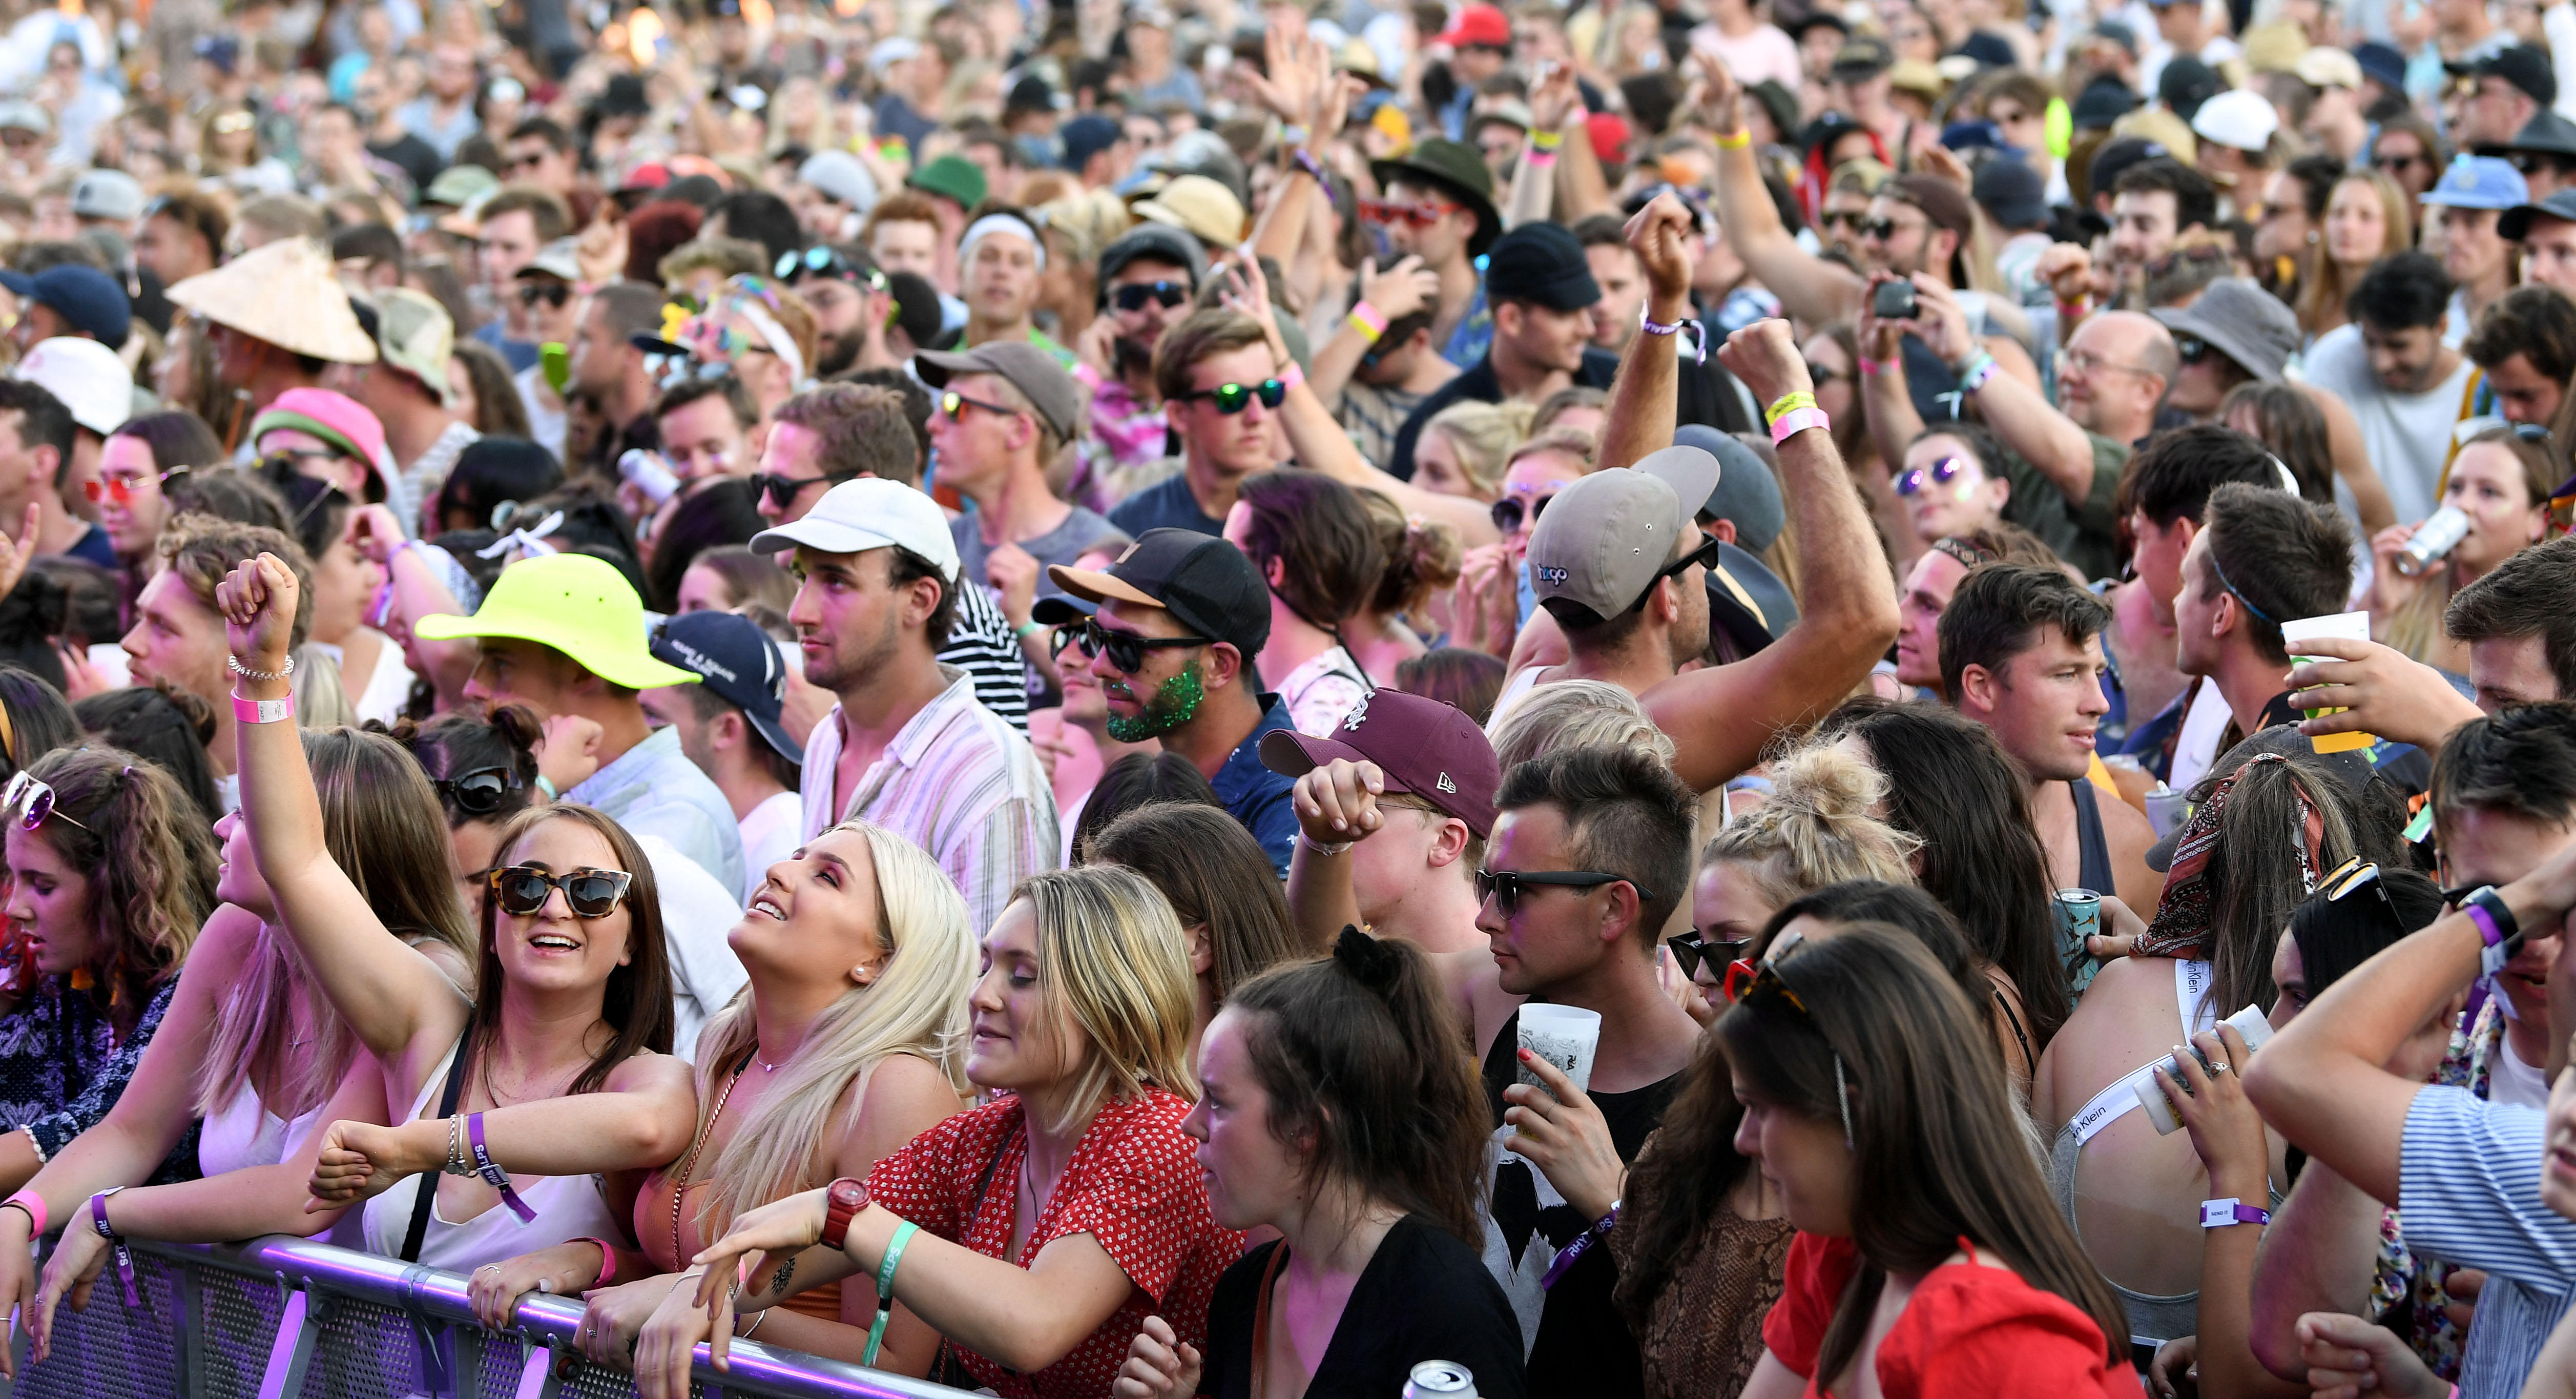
x=283, y=1318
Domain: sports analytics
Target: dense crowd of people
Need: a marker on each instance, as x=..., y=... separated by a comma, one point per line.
x=1656, y=699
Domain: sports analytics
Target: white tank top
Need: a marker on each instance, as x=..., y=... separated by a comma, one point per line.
x=568, y=1207
x=245, y=1133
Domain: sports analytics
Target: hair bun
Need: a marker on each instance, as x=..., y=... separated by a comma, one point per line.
x=1370, y=962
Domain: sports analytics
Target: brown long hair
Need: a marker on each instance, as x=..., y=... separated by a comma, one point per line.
x=1214, y=874
x=150, y=858
x=2254, y=875
x=1871, y=1024
x=637, y=1004
x=1362, y=1052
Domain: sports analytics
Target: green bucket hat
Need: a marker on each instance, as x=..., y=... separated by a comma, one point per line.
x=1458, y=168
x=576, y=604
x=954, y=176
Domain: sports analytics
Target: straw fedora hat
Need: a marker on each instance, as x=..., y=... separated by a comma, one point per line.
x=286, y=293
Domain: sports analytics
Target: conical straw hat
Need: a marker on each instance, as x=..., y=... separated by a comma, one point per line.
x=286, y=293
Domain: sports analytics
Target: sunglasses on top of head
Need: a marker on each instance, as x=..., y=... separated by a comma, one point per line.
x=591, y=894
x=479, y=792
x=1134, y=295
x=1939, y=473
x=1126, y=650
x=1231, y=399
x=30, y=800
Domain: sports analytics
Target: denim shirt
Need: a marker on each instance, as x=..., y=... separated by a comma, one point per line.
x=653, y=789
x=61, y=1068
x=1256, y=796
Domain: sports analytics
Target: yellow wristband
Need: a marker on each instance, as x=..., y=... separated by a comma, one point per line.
x=1787, y=404
x=1546, y=140
x=1736, y=140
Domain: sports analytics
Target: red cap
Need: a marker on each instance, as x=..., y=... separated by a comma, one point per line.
x=1609, y=132
x=1482, y=26
x=1430, y=749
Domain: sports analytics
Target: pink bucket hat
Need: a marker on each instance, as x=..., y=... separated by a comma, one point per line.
x=336, y=418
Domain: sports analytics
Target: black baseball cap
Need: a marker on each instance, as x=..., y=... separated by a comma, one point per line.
x=1542, y=263
x=2526, y=66
x=739, y=663
x=2514, y=224
x=1203, y=581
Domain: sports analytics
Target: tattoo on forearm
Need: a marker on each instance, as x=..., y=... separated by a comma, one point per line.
x=778, y=1280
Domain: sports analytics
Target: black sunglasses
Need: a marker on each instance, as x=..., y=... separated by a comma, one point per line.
x=1693, y=948
x=1706, y=556
x=1507, y=513
x=1126, y=649
x=552, y=293
x=1505, y=887
x=478, y=793
x=2191, y=348
x=782, y=490
x=1857, y=219
x=1134, y=295
x=523, y=889
x=1234, y=398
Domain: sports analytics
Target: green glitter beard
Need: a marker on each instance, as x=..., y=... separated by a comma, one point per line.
x=1173, y=705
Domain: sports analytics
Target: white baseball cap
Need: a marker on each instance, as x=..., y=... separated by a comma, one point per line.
x=869, y=513
x=2238, y=118
x=86, y=375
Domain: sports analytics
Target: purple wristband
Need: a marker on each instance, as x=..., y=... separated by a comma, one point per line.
x=2488, y=932
x=493, y=1175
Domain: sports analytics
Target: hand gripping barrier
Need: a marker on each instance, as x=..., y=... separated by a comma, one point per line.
x=287, y=1318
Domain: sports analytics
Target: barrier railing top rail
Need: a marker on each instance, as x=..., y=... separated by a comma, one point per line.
x=318, y=1279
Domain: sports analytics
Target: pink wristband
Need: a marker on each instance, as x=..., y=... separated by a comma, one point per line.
x=1373, y=319
x=607, y=1260
x=1798, y=421
x=1538, y=158
x=251, y=711
x=1875, y=367
x=34, y=1205
x=1293, y=375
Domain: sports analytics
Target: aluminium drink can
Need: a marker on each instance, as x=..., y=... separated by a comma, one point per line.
x=2433, y=541
x=1440, y=1379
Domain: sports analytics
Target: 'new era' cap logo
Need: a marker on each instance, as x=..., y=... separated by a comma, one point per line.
x=1444, y=784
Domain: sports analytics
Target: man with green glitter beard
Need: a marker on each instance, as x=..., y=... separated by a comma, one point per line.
x=1181, y=617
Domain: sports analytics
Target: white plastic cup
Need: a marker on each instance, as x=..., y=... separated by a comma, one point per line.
x=2341, y=626
x=2250, y=1024
x=1566, y=1036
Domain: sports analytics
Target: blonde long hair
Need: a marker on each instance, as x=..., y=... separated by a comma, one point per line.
x=1111, y=954
x=916, y=1005
x=2327, y=289
x=382, y=825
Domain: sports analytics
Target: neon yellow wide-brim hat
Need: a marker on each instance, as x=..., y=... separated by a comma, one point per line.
x=576, y=604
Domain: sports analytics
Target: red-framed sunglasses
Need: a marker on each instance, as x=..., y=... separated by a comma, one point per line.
x=1387, y=211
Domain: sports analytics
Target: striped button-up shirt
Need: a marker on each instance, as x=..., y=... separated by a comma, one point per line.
x=2468, y=1193
x=959, y=782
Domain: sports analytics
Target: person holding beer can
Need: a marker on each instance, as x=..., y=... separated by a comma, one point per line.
x=2495, y=504
x=1340, y=1111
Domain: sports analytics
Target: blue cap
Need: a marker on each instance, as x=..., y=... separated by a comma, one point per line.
x=2382, y=63
x=2479, y=182
x=1968, y=135
x=1084, y=137
x=88, y=300
x=736, y=661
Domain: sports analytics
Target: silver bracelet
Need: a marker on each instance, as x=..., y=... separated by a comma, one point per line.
x=1322, y=848
x=756, y=1318
x=239, y=669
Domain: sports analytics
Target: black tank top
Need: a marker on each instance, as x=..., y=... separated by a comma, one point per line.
x=2093, y=849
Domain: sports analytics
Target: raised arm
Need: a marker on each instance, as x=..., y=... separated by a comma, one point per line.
x=1319, y=443
x=391, y=995
x=2324, y=1082
x=1812, y=290
x=1336, y=805
x=2020, y=414
x=1645, y=398
x=1553, y=104
x=1720, y=719
x=1886, y=396
x=1393, y=294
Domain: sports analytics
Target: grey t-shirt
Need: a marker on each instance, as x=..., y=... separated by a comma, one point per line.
x=1081, y=531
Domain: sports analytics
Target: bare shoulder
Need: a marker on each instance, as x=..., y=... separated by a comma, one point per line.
x=905, y=1096
x=649, y=1072
x=2127, y=987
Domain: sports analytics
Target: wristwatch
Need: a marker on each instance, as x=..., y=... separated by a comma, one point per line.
x=2218, y=1214
x=847, y=1196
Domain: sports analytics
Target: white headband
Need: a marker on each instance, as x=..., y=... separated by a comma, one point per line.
x=1001, y=223
x=781, y=343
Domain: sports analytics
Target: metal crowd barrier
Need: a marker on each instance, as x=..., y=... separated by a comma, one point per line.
x=286, y=1318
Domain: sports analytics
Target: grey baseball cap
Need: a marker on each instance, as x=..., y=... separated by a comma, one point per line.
x=1604, y=538
x=1023, y=366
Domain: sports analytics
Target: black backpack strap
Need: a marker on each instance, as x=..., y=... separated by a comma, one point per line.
x=428, y=1197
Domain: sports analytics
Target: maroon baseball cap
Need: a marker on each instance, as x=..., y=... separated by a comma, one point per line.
x=1430, y=749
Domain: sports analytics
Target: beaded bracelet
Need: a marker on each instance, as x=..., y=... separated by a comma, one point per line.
x=243, y=670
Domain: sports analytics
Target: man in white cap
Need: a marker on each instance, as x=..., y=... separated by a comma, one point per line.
x=277, y=319
x=407, y=391
x=2235, y=130
x=40, y=441
x=908, y=746
x=1000, y=261
x=833, y=191
x=93, y=383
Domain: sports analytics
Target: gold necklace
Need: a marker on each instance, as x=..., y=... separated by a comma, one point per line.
x=680, y=1185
